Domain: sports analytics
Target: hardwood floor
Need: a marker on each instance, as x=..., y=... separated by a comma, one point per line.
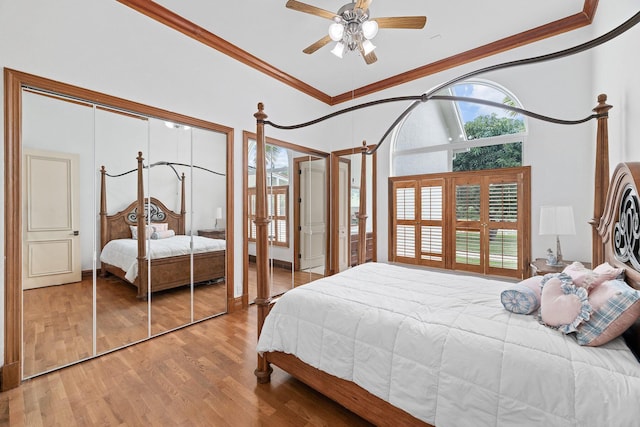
x=58, y=319
x=282, y=280
x=201, y=375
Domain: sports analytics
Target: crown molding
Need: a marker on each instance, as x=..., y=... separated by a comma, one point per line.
x=188, y=28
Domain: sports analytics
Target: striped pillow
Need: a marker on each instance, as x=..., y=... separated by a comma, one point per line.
x=523, y=297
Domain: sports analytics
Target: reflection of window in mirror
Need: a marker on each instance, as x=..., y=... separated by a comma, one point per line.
x=278, y=213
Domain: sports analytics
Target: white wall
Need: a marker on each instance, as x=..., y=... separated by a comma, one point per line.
x=110, y=48
x=616, y=74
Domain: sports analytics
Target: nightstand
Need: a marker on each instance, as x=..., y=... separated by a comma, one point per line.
x=540, y=266
x=213, y=233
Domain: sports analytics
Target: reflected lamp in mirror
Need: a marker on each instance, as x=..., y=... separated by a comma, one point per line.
x=218, y=217
x=557, y=220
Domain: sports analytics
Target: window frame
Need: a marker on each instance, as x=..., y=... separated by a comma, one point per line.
x=272, y=196
x=451, y=148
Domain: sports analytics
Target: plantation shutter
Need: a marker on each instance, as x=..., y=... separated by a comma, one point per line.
x=405, y=204
x=468, y=225
x=431, y=222
x=504, y=250
x=474, y=221
x=277, y=212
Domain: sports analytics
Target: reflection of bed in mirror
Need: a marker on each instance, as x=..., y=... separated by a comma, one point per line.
x=124, y=237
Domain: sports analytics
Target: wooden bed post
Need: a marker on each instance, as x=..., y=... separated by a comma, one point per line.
x=362, y=209
x=601, y=178
x=183, y=209
x=263, y=299
x=142, y=235
x=103, y=214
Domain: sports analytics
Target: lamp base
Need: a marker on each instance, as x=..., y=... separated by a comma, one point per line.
x=558, y=251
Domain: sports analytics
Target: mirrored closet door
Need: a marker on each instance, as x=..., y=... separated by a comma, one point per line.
x=297, y=205
x=94, y=274
x=354, y=196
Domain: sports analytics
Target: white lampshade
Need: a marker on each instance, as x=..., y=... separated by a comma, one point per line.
x=338, y=50
x=367, y=47
x=336, y=31
x=369, y=29
x=557, y=220
x=218, y=213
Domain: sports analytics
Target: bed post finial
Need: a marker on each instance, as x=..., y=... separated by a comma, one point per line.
x=263, y=299
x=601, y=177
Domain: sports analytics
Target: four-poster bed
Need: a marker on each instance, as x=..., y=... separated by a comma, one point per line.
x=463, y=358
x=124, y=237
x=354, y=383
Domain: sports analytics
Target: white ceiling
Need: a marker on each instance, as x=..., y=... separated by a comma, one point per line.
x=277, y=35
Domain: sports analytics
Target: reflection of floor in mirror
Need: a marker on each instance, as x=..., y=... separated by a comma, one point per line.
x=283, y=279
x=316, y=270
x=57, y=319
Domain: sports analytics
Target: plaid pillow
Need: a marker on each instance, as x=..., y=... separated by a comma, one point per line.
x=615, y=307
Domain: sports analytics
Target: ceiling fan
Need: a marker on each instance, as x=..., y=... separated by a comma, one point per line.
x=353, y=28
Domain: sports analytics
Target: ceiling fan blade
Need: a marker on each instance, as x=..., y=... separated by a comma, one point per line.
x=370, y=58
x=307, y=8
x=408, y=22
x=317, y=45
x=363, y=4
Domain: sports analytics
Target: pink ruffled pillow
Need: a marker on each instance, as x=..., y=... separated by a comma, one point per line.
x=160, y=226
x=563, y=305
x=587, y=278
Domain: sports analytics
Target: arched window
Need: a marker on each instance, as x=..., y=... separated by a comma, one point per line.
x=450, y=207
x=444, y=136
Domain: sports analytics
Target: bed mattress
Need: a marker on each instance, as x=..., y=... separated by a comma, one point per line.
x=123, y=253
x=442, y=347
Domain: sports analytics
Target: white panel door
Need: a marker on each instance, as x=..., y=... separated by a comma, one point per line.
x=344, y=210
x=51, y=242
x=313, y=221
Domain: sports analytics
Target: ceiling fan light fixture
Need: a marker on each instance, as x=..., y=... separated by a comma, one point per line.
x=369, y=29
x=338, y=50
x=368, y=47
x=336, y=31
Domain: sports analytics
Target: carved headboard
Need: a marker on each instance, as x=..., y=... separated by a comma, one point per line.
x=620, y=224
x=117, y=226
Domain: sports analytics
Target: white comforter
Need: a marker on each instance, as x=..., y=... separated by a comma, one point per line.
x=123, y=253
x=442, y=347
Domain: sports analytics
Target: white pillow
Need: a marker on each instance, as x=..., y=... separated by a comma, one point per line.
x=134, y=231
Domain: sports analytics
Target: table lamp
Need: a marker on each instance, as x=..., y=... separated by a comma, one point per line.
x=557, y=220
x=218, y=216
